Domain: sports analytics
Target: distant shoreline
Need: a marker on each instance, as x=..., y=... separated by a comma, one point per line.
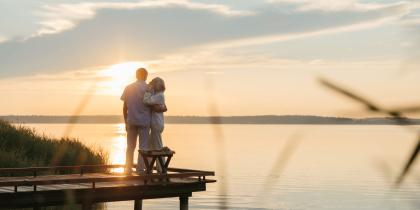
x=262, y=119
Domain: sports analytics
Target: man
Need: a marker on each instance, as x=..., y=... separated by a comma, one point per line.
x=137, y=117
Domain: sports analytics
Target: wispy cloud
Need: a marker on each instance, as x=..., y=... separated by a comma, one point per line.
x=334, y=5
x=214, y=60
x=293, y=36
x=413, y=20
x=61, y=17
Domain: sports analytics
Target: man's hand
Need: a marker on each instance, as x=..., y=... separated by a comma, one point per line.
x=164, y=109
x=159, y=108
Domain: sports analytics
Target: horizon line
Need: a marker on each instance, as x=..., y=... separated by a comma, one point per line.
x=204, y=116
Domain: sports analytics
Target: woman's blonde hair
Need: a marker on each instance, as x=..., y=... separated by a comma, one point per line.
x=158, y=84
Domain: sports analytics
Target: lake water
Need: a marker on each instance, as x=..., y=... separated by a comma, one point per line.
x=278, y=166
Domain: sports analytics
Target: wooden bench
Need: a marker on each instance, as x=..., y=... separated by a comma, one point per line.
x=164, y=157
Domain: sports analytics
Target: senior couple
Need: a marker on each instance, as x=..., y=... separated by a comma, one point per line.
x=143, y=109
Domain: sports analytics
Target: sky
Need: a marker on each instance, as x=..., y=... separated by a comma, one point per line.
x=248, y=57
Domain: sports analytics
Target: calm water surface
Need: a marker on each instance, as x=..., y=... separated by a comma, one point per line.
x=278, y=166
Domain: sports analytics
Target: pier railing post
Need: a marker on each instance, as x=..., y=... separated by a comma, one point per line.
x=183, y=203
x=138, y=204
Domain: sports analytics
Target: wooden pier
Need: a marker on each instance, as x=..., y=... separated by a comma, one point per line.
x=95, y=184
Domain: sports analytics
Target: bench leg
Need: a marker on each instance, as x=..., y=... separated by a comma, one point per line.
x=148, y=162
x=183, y=203
x=138, y=204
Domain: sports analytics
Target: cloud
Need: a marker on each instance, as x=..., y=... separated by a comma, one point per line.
x=61, y=17
x=87, y=35
x=223, y=60
x=413, y=20
x=293, y=36
x=334, y=5
x=214, y=72
x=2, y=39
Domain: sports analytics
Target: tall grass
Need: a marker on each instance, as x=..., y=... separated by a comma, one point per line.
x=23, y=147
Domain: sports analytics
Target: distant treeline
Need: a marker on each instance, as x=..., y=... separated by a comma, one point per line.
x=263, y=119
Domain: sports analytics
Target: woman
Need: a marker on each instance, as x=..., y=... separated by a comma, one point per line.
x=155, y=98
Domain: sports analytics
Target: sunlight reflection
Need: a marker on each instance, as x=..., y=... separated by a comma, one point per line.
x=119, y=146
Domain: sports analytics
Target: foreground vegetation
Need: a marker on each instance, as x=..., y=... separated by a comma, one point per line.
x=23, y=147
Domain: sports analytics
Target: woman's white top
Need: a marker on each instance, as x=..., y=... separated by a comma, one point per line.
x=150, y=98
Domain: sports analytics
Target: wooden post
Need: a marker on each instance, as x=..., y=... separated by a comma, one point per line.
x=183, y=203
x=138, y=204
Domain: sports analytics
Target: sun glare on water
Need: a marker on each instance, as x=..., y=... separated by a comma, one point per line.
x=116, y=77
x=119, y=147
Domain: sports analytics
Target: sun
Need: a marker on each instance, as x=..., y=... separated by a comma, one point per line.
x=117, y=76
